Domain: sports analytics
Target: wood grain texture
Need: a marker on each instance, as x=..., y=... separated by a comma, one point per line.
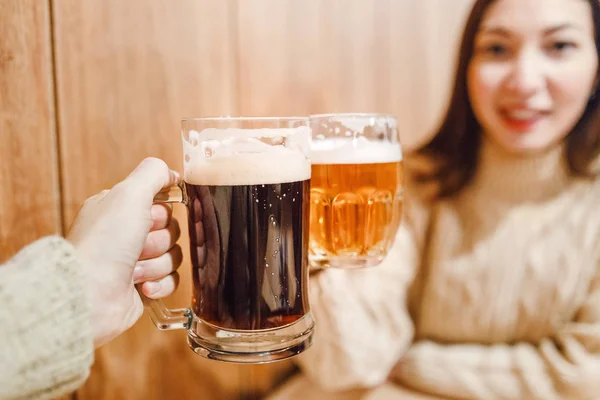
x=320, y=56
x=29, y=200
x=425, y=39
x=127, y=71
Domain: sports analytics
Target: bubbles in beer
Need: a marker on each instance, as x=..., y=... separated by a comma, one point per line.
x=241, y=291
x=235, y=174
x=355, y=206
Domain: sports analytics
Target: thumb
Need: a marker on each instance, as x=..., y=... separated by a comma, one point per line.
x=150, y=176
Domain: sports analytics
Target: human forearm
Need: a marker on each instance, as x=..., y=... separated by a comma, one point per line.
x=46, y=342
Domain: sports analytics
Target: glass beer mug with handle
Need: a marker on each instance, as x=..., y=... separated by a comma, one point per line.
x=246, y=189
x=356, y=189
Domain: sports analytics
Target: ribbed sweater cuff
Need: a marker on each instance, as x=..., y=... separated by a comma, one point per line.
x=46, y=340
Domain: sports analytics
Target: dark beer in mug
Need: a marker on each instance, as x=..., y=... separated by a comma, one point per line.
x=246, y=186
x=248, y=244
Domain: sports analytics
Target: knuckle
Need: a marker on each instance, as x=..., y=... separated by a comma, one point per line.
x=89, y=201
x=166, y=208
x=122, y=189
x=161, y=215
x=167, y=286
x=154, y=162
x=159, y=241
x=174, y=280
x=96, y=197
x=155, y=269
x=151, y=246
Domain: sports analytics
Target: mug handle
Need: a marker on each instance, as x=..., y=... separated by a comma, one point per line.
x=165, y=318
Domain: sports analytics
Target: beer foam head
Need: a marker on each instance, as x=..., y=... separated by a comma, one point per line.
x=354, y=151
x=235, y=156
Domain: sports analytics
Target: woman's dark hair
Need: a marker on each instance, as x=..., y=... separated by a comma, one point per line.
x=454, y=149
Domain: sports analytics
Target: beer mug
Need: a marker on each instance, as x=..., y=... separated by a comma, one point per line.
x=356, y=189
x=246, y=185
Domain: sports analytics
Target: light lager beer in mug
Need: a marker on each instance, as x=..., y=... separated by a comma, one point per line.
x=356, y=189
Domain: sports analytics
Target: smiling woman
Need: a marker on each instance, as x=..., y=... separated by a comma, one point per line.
x=530, y=80
x=527, y=79
x=491, y=288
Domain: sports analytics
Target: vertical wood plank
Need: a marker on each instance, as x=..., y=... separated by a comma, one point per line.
x=311, y=56
x=127, y=71
x=320, y=56
x=426, y=37
x=29, y=199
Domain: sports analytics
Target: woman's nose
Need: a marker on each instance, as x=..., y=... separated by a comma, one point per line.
x=527, y=75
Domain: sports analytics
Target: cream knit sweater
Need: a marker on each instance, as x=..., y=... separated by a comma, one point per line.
x=46, y=341
x=493, y=294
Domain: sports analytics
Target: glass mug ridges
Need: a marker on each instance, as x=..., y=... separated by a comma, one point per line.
x=356, y=189
x=359, y=214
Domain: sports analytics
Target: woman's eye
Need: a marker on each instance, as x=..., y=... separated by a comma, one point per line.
x=493, y=50
x=496, y=49
x=561, y=47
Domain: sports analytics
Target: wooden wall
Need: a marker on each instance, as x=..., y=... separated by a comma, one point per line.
x=29, y=194
x=88, y=88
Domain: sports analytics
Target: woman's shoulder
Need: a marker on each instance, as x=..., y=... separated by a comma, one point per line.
x=583, y=190
x=583, y=195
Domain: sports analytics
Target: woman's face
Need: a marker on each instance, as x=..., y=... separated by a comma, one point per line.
x=533, y=71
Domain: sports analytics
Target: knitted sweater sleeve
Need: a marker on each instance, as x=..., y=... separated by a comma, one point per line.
x=564, y=366
x=362, y=319
x=46, y=343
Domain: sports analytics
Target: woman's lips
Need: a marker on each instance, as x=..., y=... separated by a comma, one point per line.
x=522, y=120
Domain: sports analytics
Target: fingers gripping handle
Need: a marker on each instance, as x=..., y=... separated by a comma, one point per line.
x=163, y=317
x=172, y=194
